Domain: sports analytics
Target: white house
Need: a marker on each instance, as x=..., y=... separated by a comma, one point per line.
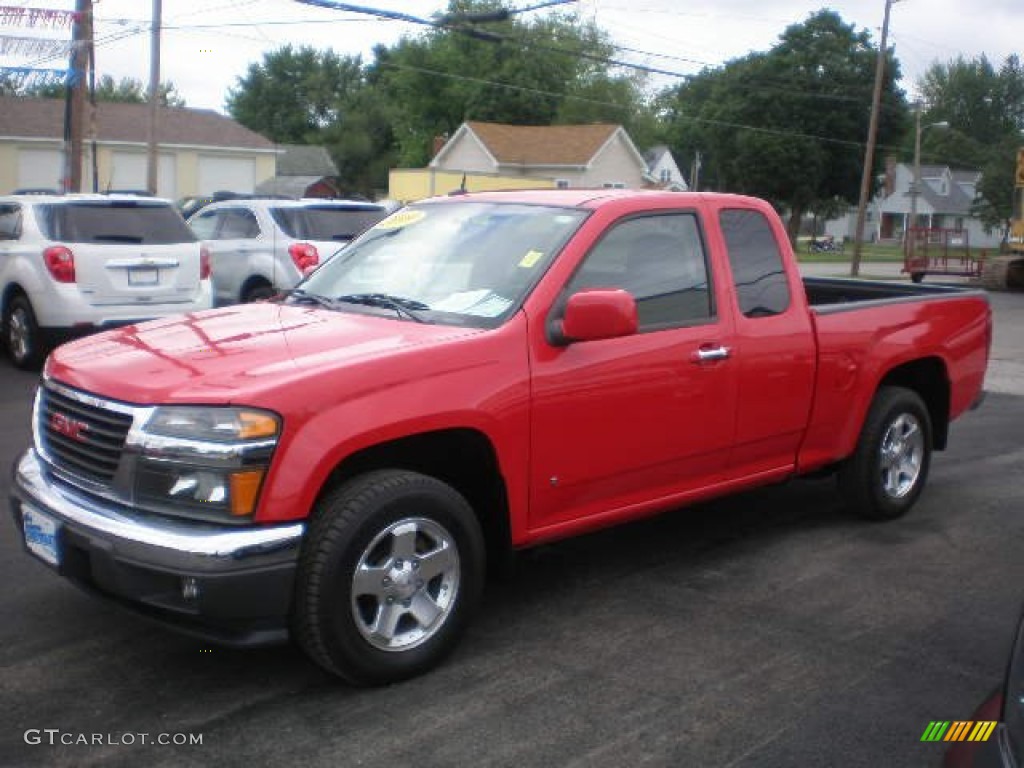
x=944, y=202
x=662, y=170
x=598, y=155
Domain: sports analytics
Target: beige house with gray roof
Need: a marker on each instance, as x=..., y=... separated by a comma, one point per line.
x=201, y=151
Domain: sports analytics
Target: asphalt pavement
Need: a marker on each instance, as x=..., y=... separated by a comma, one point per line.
x=769, y=629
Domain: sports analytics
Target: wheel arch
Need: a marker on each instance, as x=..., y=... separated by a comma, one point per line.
x=929, y=378
x=462, y=457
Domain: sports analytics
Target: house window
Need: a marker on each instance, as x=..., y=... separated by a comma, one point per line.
x=561, y=183
x=666, y=175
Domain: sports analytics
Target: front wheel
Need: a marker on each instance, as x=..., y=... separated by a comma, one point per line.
x=390, y=574
x=889, y=466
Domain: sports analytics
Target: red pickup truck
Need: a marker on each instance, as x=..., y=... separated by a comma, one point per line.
x=474, y=375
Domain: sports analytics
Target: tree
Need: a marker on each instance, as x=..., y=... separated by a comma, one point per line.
x=788, y=124
x=985, y=111
x=294, y=93
x=127, y=90
x=525, y=72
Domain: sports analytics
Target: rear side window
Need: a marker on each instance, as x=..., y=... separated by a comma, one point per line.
x=114, y=222
x=10, y=222
x=326, y=222
x=237, y=224
x=757, y=268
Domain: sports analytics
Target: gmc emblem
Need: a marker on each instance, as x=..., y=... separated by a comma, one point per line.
x=63, y=424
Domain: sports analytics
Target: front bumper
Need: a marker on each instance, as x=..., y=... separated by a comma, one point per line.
x=239, y=580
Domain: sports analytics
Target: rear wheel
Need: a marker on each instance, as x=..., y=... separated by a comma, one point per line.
x=917, y=277
x=391, y=572
x=888, y=469
x=21, y=334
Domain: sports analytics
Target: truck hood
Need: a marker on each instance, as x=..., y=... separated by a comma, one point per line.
x=234, y=353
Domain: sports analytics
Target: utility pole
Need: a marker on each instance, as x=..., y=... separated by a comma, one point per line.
x=869, y=152
x=81, y=37
x=154, y=98
x=695, y=173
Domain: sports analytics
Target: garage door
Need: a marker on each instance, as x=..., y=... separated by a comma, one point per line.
x=128, y=171
x=230, y=174
x=40, y=168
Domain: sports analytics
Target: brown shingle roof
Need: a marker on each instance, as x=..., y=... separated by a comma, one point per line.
x=542, y=144
x=44, y=119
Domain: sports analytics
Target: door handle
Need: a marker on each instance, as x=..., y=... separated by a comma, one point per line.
x=709, y=354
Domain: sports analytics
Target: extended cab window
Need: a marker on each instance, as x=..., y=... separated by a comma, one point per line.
x=757, y=268
x=660, y=260
x=10, y=222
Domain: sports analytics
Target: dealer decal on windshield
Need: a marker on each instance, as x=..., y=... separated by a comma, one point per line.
x=531, y=258
x=401, y=219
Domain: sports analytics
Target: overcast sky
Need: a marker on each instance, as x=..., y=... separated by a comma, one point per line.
x=208, y=44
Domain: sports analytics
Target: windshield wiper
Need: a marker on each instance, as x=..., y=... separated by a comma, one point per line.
x=112, y=238
x=303, y=296
x=403, y=306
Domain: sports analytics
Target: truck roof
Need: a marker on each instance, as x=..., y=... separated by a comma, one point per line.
x=585, y=198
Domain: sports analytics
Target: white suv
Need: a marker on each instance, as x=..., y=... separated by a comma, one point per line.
x=262, y=246
x=73, y=264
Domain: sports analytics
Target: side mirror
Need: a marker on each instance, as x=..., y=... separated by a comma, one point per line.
x=598, y=314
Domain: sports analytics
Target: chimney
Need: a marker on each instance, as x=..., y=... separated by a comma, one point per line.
x=439, y=141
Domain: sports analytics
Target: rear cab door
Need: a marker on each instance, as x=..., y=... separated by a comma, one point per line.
x=126, y=251
x=775, y=352
x=234, y=237
x=623, y=424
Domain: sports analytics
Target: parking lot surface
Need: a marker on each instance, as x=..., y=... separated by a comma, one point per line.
x=770, y=629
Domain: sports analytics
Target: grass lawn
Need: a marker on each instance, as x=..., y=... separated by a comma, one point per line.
x=869, y=252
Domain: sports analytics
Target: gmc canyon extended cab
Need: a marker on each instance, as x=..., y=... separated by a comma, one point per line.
x=473, y=375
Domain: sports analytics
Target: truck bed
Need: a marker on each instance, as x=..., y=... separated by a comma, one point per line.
x=836, y=294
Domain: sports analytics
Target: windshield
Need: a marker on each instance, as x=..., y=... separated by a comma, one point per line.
x=326, y=222
x=467, y=263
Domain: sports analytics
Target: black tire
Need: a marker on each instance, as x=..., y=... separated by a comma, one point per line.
x=22, y=338
x=888, y=469
x=257, y=291
x=371, y=524
x=917, y=277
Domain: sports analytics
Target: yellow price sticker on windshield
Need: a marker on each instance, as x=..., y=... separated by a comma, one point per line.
x=531, y=258
x=401, y=219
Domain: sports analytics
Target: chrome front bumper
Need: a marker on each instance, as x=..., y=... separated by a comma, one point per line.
x=240, y=579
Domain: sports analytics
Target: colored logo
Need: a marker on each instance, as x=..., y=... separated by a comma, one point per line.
x=63, y=424
x=959, y=730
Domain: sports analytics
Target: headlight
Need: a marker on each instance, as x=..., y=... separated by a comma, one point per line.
x=203, y=461
x=205, y=423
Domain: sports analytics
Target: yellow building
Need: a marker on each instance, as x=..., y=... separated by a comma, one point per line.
x=200, y=151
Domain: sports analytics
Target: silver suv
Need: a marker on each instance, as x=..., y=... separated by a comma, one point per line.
x=262, y=246
x=72, y=264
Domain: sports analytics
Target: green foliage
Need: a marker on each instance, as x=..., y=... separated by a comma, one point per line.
x=985, y=111
x=787, y=124
x=295, y=93
x=127, y=90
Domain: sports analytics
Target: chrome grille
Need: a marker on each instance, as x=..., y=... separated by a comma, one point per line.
x=81, y=436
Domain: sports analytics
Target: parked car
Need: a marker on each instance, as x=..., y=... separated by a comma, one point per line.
x=1003, y=744
x=262, y=246
x=476, y=374
x=75, y=264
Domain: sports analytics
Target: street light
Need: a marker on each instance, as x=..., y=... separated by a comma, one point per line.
x=915, y=189
x=869, y=150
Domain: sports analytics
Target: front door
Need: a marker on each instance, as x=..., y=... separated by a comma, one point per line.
x=619, y=422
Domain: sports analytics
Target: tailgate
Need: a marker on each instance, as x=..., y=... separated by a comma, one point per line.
x=128, y=274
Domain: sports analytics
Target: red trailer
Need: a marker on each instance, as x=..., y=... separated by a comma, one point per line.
x=929, y=251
